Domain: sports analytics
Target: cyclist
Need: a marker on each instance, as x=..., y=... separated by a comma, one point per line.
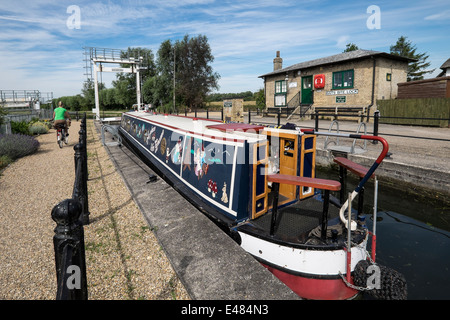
x=59, y=116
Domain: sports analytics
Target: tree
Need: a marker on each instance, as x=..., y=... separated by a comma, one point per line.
x=126, y=82
x=147, y=90
x=417, y=68
x=351, y=47
x=162, y=91
x=3, y=113
x=260, y=99
x=88, y=93
x=190, y=58
x=194, y=73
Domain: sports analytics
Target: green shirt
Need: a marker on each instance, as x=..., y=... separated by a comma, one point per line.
x=59, y=113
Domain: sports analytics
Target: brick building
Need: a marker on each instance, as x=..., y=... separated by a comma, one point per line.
x=347, y=81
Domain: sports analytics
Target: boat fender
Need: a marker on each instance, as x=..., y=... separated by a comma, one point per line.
x=379, y=281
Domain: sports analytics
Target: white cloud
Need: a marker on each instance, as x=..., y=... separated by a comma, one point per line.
x=444, y=15
x=35, y=43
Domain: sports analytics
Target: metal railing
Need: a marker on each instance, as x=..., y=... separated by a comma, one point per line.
x=70, y=215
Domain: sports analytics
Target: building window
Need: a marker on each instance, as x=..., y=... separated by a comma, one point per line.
x=280, y=100
x=343, y=79
x=280, y=86
x=280, y=93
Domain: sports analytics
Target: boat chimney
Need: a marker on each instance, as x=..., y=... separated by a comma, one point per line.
x=277, y=62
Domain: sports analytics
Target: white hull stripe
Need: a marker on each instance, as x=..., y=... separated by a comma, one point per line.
x=314, y=262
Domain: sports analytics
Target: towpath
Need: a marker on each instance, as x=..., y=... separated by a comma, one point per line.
x=124, y=259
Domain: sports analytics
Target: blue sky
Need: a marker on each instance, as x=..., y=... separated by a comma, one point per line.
x=38, y=51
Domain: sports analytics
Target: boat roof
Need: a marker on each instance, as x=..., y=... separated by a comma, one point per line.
x=208, y=128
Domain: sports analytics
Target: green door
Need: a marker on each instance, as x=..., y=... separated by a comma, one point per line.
x=307, y=93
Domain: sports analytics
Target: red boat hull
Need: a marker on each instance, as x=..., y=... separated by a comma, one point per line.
x=315, y=289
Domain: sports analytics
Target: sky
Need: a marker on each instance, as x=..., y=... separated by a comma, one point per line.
x=41, y=41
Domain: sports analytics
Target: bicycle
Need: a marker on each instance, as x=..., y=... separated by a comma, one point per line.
x=61, y=135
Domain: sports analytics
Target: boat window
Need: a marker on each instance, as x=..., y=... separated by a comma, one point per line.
x=274, y=155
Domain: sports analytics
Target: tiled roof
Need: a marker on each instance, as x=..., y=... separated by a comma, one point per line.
x=446, y=65
x=341, y=57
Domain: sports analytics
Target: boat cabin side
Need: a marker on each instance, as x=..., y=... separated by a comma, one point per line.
x=289, y=153
x=224, y=166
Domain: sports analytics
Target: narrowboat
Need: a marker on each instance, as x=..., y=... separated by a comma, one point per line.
x=258, y=184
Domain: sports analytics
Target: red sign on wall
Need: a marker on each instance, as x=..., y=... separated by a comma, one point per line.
x=319, y=81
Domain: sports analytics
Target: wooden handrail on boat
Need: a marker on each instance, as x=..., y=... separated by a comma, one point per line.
x=326, y=185
x=348, y=223
x=357, y=169
x=305, y=181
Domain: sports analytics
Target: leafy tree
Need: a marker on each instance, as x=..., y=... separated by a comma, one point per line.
x=260, y=99
x=162, y=91
x=247, y=96
x=126, y=82
x=75, y=103
x=416, y=69
x=351, y=47
x=194, y=74
x=191, y=57
x=148, y=90
x=88, y=93
x=3, y=113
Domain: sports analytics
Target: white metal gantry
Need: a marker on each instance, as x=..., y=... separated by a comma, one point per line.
x=98, y=56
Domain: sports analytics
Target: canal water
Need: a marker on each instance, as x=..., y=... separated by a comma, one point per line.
x=413, y=235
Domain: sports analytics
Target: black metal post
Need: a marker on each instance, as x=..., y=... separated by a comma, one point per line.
x=376, y=118
x=81, y=187
x=68, y=243
x=275, y=190
x=196, y=112
x=207, y=113
x=343, y=181
x=360, y=200
x=316, y=122
x=80, y=191
x=185, y=112
x=222, y=114
x=326, y=202
x=279, y=116
x=249, y=116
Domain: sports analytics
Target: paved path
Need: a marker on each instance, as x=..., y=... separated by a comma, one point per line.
x=124, y=259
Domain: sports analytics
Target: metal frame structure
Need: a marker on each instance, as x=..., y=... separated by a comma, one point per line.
x=28, y=99
x=98, y=56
